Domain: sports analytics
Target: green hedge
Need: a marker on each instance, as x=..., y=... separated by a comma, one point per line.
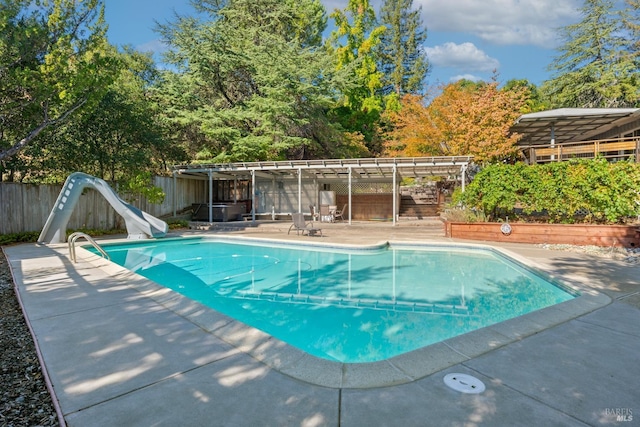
x=557, y=192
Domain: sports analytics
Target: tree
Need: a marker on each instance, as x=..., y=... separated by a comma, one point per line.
x=252, y=84
x=353, y=45
x=401, y=58
x=631, y=23
x=593, y=69
x=466, y=119
x=52, y=63
x=535, y=100
x=117, y=140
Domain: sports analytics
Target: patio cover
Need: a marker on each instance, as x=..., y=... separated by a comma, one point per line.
x=345, y=170
x=570, y=124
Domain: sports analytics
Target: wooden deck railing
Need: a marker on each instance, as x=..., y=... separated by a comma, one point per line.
x=621, y=148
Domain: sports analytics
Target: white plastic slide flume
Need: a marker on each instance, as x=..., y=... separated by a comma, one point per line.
x=140, y=225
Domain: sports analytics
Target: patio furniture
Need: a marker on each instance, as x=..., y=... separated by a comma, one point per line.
x=302, y=226
x=325, y=214
x=339, y=213
x=314, y=214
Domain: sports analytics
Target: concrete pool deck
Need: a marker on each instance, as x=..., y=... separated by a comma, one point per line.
x=119, y=352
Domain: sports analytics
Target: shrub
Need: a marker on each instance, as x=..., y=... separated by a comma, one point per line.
x=579, y=190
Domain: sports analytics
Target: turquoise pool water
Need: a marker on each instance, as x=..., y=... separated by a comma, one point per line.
x=341, y=304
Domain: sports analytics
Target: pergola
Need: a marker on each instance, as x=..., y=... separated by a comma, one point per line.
x=388, y=169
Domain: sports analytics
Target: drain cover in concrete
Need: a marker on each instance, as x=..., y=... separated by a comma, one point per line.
x=464, y=383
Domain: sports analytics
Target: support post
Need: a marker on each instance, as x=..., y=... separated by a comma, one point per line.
x=274, y=195
x=235, y=189
x=350, y=199
x=210, y=204
x=553, y=139
x=299, y=190
x=463, y=172
x=395, y=193
x=175, y=193
x=253, y=196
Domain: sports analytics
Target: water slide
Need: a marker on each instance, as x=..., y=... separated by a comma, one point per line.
x=140, y=225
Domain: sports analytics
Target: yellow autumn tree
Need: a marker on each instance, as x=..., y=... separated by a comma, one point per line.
x=465, y=119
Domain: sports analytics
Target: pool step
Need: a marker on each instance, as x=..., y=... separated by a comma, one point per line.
x=368, y=303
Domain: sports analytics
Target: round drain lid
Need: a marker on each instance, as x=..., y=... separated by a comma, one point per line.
x=464, y=383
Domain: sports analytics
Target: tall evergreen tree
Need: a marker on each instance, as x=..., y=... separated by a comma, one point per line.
x=401, y=58
x=253, y=79
x=631, y=22
x=593, y=69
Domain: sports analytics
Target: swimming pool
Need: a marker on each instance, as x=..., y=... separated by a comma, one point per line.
x=343, y=304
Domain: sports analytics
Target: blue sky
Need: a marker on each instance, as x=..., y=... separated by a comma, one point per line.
x=466, y=38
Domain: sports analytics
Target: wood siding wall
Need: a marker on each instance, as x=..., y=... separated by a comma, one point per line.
x=367, y=206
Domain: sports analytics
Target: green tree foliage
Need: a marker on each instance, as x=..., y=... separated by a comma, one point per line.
x=593, y=68
x=353, y=43
x=561, y=191
x=117, y=140
x=252, y=81
x=52, y=62
x=353, y=46
x=631, y=25
x=535, y=99
x=401, y=59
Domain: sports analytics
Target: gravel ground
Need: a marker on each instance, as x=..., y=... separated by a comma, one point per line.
x=24, y=398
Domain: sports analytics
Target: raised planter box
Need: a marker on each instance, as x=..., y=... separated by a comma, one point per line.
x=571, y=234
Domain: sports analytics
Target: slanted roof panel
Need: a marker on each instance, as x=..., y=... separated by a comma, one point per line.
x=369, y=168
x=569, y=124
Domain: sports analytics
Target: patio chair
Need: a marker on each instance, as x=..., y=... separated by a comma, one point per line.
x=301, y=225
x=325, y=214
x=339, y=213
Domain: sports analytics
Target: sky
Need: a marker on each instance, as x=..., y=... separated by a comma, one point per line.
x=469, y=39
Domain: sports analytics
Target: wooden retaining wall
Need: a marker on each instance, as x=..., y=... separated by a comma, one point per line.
x=570, y=234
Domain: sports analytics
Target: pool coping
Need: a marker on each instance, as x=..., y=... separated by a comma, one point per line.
x=401, y=369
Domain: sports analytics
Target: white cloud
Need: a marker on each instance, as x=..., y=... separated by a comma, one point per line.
x=331, y=5
x=154, y=46
x=465, y=57
x=521, y=22
x=465, y=77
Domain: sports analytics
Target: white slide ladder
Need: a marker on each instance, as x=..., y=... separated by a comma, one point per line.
x=140, y=225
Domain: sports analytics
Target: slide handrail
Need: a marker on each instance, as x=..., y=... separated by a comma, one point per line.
x=73, y=237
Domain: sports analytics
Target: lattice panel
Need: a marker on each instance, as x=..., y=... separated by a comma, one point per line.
x=363, y=188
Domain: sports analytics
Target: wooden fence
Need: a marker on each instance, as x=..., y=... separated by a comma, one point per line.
x=25, y=207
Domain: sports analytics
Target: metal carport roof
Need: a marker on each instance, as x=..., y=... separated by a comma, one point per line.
x=333, y=168
x=570, y=124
